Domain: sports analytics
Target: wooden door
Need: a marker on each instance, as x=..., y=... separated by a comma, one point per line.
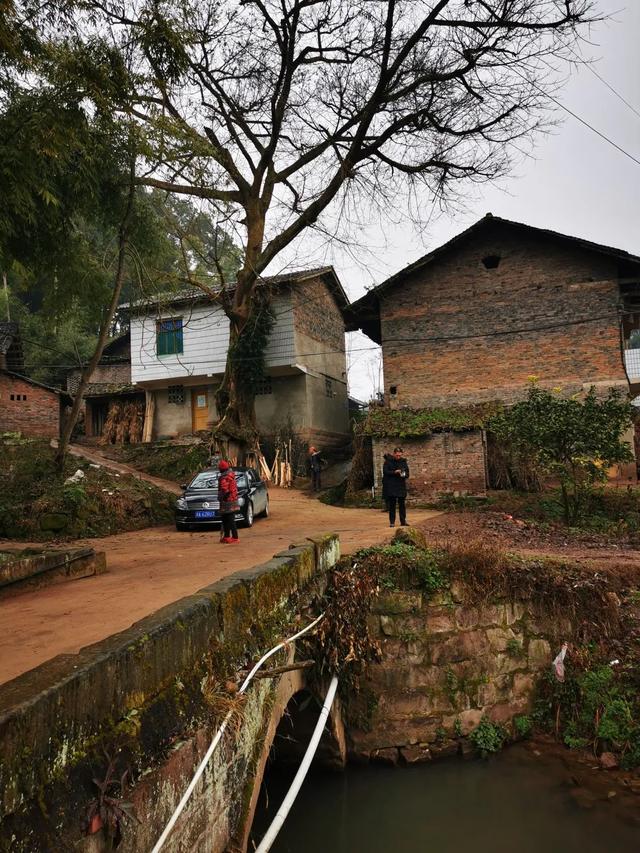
x=199, y=409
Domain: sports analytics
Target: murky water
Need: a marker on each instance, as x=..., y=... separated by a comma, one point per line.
x=510, y=804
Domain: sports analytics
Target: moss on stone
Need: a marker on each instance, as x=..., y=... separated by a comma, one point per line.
x=382, y=422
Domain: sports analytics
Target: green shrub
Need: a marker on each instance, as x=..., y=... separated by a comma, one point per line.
x=488, y=737
x=522, y=726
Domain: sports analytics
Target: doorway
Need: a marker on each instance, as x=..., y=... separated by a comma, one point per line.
x=199, y=409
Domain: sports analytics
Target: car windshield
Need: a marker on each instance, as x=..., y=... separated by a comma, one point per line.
x=209, y=480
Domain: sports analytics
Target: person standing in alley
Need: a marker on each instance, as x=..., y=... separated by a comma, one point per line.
x=229, y=505
x=395, y=474
x=315, y=466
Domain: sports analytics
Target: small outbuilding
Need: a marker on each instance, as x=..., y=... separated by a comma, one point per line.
x=445, y=449
x=30, y=408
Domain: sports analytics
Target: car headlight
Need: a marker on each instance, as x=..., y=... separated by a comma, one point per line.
x=181, y=504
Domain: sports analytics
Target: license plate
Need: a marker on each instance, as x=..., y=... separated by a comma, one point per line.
x=205, y=513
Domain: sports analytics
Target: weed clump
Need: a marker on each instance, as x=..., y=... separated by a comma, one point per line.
x=488, y=737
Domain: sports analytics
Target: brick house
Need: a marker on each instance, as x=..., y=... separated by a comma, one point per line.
x=472, y=321
x=30, y=408
x=179, y=348
x=26, y=406
x=110, y=383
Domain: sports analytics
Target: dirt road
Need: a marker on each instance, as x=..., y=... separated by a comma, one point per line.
x=151, y=568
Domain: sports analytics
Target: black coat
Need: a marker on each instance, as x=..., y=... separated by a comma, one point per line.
x=393, y=485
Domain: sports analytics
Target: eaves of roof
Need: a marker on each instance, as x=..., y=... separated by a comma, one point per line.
x=361, y=312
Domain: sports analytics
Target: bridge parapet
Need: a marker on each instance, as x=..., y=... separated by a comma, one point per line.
x=150, y=698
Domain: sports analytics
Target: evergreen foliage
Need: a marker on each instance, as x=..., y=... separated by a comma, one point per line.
x=573, y=439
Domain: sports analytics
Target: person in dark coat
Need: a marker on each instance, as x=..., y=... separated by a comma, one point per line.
x=315, y=466
x=395, y=474
x=229, y=505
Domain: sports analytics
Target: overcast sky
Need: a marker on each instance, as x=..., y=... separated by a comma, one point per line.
x=577, y=184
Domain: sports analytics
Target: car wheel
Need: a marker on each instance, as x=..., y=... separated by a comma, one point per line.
x=248, y=515
x=181, y=525
x=265, y=511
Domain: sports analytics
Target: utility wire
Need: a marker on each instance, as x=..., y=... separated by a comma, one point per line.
x=577, y=117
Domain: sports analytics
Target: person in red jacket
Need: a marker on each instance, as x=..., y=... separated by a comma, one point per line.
x=229, y=506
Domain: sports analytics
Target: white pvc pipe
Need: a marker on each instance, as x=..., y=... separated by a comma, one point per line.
x=216, y=740
x=292, y=793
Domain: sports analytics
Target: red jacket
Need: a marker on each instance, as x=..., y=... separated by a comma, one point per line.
x=228, y=492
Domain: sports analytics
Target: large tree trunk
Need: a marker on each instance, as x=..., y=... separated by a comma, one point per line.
x=107, y=320
x=236, y=430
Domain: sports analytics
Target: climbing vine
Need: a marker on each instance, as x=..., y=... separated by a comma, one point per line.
x=247, y=354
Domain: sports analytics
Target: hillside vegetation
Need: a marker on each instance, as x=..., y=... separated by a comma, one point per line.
x=37, y=504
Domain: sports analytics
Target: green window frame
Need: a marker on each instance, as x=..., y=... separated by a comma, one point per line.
x=169, y=336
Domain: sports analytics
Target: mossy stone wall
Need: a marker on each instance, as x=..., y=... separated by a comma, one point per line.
x=445, y=666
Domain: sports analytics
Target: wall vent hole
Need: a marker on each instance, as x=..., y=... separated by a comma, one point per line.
x=393, y=390
x=491, y=262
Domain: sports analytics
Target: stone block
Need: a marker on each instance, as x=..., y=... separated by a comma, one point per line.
x=499, y=638
x=514, y=611
x=415, y=754
x=506, y=711
x=387, y=755
x=469, y=720
x=440, y=620
x=422, y=676
x=441, y=599
x=523, y=685
x=457, y=591
x=491, y=614
x=469, y=645
x=467, y=617
x=405, y=627
x=539, y=654
x=396, y=706
x=397, y=602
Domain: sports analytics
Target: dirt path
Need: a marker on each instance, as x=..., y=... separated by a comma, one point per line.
x=98, y=458
x=148, y=569
x=509, y=534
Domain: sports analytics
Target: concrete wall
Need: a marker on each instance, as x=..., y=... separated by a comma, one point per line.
x=539, y=282
x=152, y=697
x=443, y=463
x=27, y=408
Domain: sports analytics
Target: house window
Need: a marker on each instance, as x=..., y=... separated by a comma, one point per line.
x=264, y=386
x=491, y=262
x=393, y=390
x=175, y=394
x=328, y=387
x=169, y=336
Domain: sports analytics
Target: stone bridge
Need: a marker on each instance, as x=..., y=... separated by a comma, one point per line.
x=148, y=701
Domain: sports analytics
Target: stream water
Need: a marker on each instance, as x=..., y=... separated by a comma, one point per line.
x=512, y=803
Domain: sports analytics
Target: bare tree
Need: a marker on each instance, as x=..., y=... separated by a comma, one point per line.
x=280, y=110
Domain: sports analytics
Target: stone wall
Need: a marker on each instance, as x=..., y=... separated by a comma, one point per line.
x=28, y=408
x=450, y=330
x=152, y=697
x=446, y=665
x=444, y=463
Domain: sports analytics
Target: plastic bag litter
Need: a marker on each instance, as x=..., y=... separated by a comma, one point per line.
x=75, y=478
x=558, y=662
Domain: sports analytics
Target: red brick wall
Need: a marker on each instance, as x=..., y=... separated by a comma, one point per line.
x=37, y=415
x=443, y=463
x=539, y=282
x=317, y=315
